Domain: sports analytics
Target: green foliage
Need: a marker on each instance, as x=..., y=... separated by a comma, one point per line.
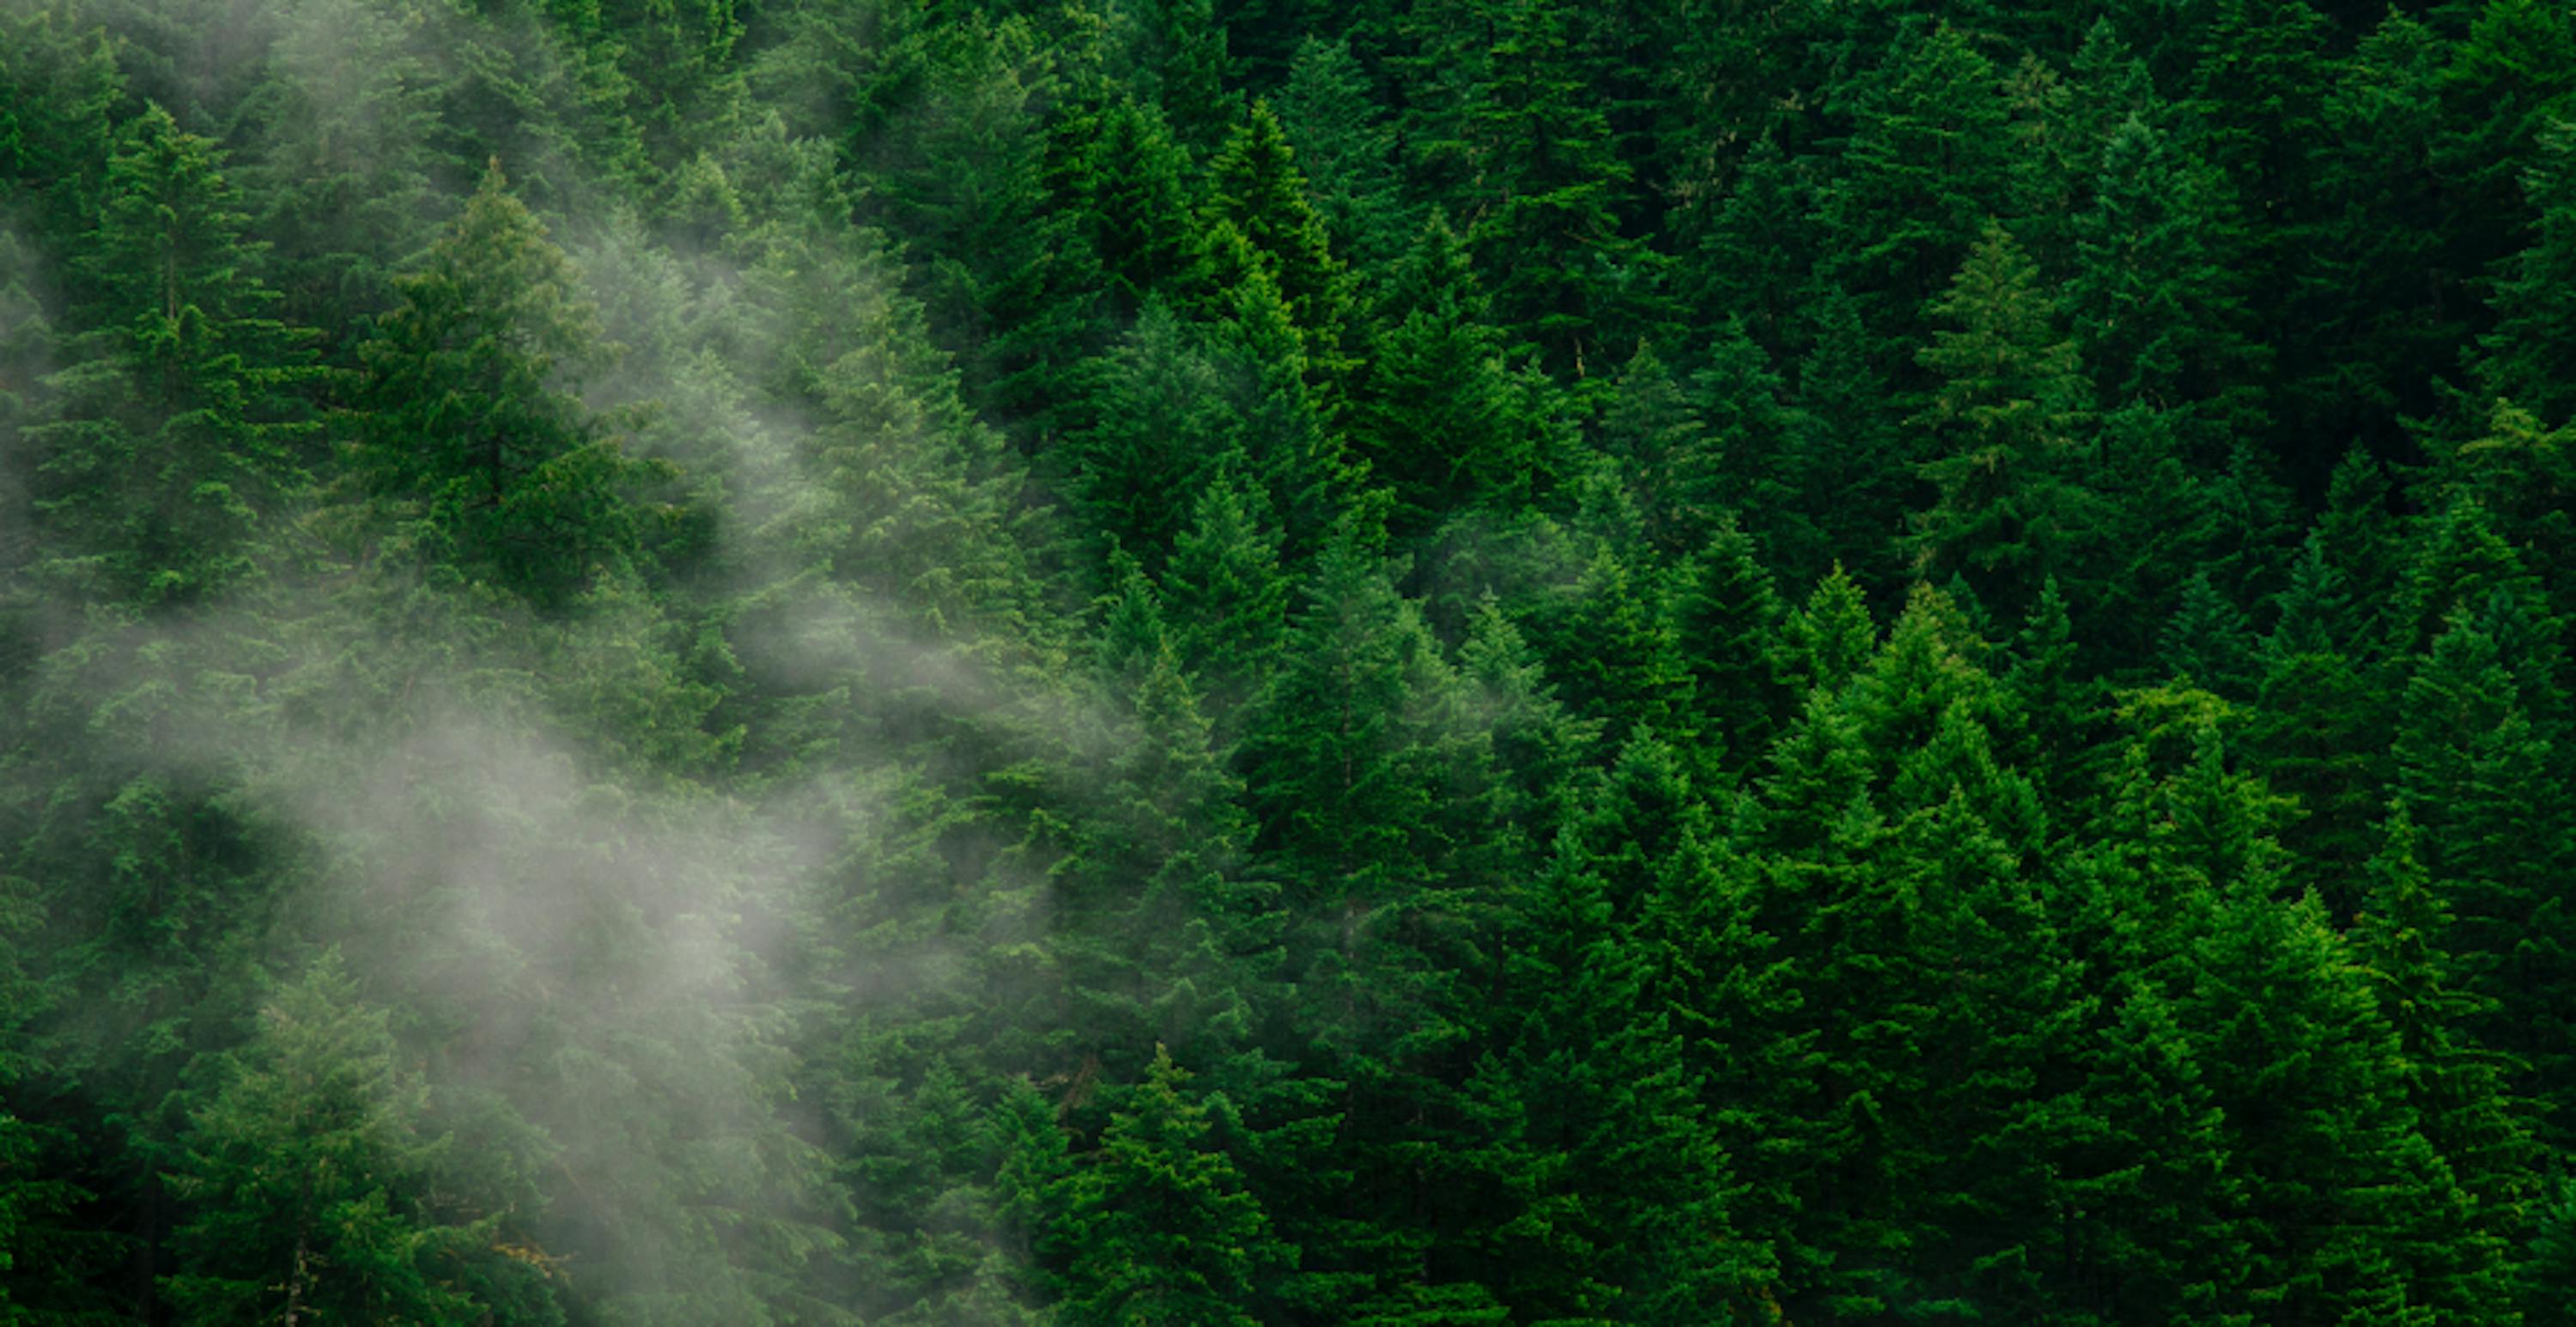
x=1166, y=1229
x=304, y=1171
x=2003, y=424
x=469, y=432
x=1710, y=663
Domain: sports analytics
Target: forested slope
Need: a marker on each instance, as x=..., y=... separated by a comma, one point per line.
x=705, y=662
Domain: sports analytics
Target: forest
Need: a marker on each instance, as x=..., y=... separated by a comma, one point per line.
x=1437, y=663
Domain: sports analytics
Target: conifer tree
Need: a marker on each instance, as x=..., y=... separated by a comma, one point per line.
x=1256, y=187
x=305, y=1175
x=1831, y=637
x=2313, y=724
x=1676, y=473
x=2530, y=356
x=1545, y=187
x=178, y=426
x=1612, y=645
x=1757, y=248
x=2002, y=429
x=1166, y=1229
x=2209, y=641
x=1346, y=149
x=1729, y=621
x=2154, y=306
x=1623, y=1175
x=493, y=466
x=1228, y=596
x=1844, y=461
x=1160, y=424
x=2456, y=1086
x=2474, y=777
x=1923, y=171
x=1435, y=413
x=1131, y=181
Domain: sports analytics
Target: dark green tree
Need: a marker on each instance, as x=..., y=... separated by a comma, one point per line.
x=179, y=424
x=2002, y=430
x=1438, y=417
x=306, y=1176
x=1165, y=1228
x=469, y=432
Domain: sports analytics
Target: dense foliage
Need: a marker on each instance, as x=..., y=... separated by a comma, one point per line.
x=694, y=662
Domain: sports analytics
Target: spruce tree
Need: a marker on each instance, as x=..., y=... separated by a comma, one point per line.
x=1165, y=1227
x=1435, y=412
x=469, y=433
x=2002, y=430
x=305, y=1174
x=178, y=426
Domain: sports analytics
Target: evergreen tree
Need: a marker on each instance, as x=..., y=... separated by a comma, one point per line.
x=177, y=427
x=1729, y=622
x=1257, y=188
x=2313, y=728
x=1848, y=485
x=2475, y=777
x=2455, y=1085
x=470, y=433
x=1542, y=189
x=1166, y=1229
x=2003, y=426
x=1346, y=150
x=1435, y=413
x=1676, y=475
x=305, y=1174
x=1922, y=174
x=1161, y=425
x=2156, y=311
x=1831, y=637
x=2529, y=356
x=1229, y=598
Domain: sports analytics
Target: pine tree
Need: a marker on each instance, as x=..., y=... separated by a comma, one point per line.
x=2474, y=777
x=1166, y=1230
x=1844, y=463
x=1228, y=597
x=1831, y=637
x=2454, y=1084
x=1256, y=187
x=1924, y=169
x=1128, y=177
x=1346, y=149
x=1179, y=51
x=2504, y=86
x=2003, y=426
x=178, y=427
x=1729, y=620
x=2553, y=1258
x=1677, y=475
x=1435, y=412
x=2209, y=641
x=2530, y=356
x=470, y=432
x=1543, y=190
x=2313, y=726
x=1161, y=425
x=1612, y=645
x=2155, y=308
x=304, y=1173
x=1627, y=1191
x=1755, y=252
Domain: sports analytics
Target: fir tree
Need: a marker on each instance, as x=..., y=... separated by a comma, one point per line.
x=305, y=1173
x=2002, y=429
x=470, y=432
x=1166, y=1230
